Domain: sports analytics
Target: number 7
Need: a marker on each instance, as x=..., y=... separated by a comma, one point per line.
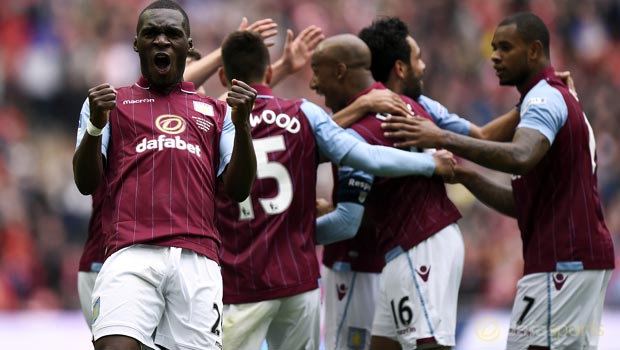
x=528, y=307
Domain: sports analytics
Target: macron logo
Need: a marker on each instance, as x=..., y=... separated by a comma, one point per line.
x=144, y=100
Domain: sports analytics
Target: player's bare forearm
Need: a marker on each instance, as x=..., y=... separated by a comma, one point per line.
x=87, y=160
x=500, y=129
x=517, y=157
x=201, y=70
x=376, y=101
x=239, y=175
x=492, y=194
x=279, y=71
x=88, y=164
x=350, y=114
x=297, y=52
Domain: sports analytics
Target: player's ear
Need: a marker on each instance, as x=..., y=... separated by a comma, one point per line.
x=135, y=43
x=399, y=69
x=268, y=75
x=535, y=50
x=190, y=42
x=223, y=79
x=341, y=70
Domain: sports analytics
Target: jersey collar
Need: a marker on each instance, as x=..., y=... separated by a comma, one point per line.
x=185, y=86
x=262, y=90
x=548, y=74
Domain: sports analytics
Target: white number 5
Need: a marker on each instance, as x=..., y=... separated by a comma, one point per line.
x=266, y=169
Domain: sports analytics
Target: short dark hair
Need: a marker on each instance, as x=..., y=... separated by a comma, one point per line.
x=530, y=27
x=165, y=4
x=387, y=39
x=245, y=56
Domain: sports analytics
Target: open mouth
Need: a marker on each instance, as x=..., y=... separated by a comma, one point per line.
x=162, y=62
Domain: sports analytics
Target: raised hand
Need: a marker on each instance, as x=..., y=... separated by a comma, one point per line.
x=298, y=51
x=444, y=164
x=414, y=131
x=102, y=99
x=241, y=98
x=386, y=101
x=266, y=28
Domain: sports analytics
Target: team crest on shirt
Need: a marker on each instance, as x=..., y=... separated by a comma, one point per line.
x=204, y=108
x=558, y=280
x=356, y=338
x=341, y=290
x=96, y=307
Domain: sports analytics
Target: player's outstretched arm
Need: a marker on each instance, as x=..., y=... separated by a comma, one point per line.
x=343, y=148
x=392, y=162
x=296, y=53
x=88, y=160
x=239, y=175
x=201, y=70
x=516, y=157
x=500, y=129
x=492, y=194
x=376, y=101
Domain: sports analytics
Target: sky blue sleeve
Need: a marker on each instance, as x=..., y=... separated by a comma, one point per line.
x=331, y=139
x=340, y=224
x=84, y=117
x=227, y=141
x=344, y=149
x=543, y=109
x=344, y=222
x=443, y=118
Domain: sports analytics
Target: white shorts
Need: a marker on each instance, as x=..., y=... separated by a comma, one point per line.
x=176, y=291
x=85, y=284
x=350, y=300
x=419, y=292
x=558, y=310
x=287, y=323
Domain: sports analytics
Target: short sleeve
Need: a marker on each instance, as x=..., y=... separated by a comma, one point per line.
x=543, y=109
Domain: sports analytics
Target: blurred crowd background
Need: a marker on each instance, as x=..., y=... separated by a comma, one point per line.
x=53, y=51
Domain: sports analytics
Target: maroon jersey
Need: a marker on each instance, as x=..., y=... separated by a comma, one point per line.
x=557, y=202
x=268, y=241
x=360, y=253
x=163, y=159
x=93, y=254
x=403, y=211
